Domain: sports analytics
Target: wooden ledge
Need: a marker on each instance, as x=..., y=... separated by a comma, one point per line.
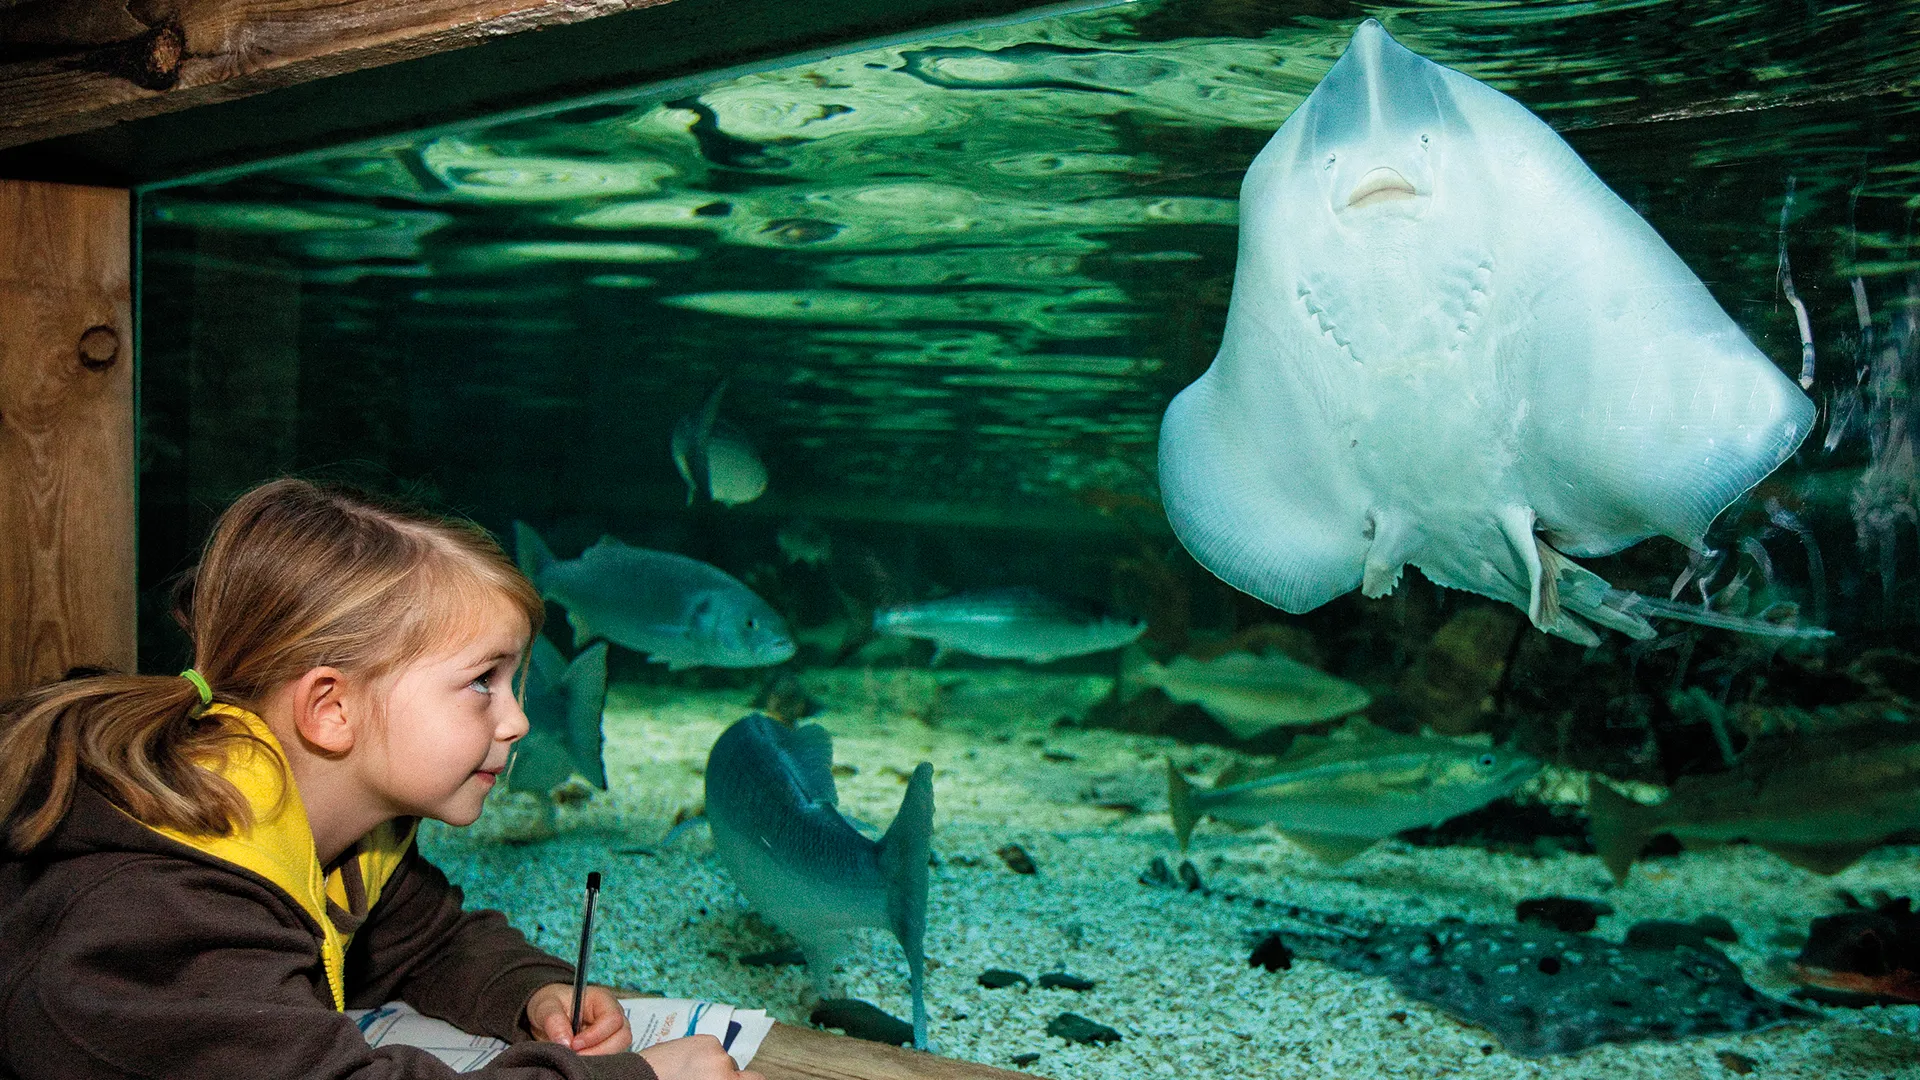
x=797, y=1053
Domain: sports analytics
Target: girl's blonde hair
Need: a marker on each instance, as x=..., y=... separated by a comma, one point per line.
x=295, y=576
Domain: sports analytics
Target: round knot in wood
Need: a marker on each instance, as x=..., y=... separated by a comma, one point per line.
x=99, y=348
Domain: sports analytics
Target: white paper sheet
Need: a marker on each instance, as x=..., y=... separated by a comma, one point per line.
x=654, y=1020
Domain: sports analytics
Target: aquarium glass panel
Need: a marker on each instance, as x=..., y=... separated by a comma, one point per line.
x=849, y=373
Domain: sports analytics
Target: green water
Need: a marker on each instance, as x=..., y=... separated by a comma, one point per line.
x=954, y=282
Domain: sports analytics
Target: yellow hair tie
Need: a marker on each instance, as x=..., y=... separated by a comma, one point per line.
x=199, y=682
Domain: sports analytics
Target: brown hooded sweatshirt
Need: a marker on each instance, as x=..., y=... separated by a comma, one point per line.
x=129, y=951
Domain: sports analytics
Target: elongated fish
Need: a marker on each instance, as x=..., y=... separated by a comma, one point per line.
x=1248, y=694
x=679, y=611
x=1338, y=796
x=565, y=705
x=715, y=458
x=1818, y=805
x=1009, y=624
x=777, y=828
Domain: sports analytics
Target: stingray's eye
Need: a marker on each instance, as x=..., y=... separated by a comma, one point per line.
x=1330, y=160
x=1486, y=761
x=1425, y=139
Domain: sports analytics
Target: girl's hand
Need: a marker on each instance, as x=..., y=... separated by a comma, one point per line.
x=550, y=1018
x=696, y=1057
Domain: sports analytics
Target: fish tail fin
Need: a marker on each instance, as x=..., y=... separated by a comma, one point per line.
x=1136, y=671
x=1620, y=827
x=586, y=709
x=530, y=551
x=904, y=852
x=1180, y=804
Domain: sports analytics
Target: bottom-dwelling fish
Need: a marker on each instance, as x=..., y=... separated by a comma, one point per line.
x=772, y=807
x=1818, y=806
x=1248, y=694
x=564, y=706
x=1338, y=796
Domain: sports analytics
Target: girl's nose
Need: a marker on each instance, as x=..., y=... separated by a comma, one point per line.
x=514, y=724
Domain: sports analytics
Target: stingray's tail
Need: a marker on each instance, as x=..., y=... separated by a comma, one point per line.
x=1180, y=804
x=1620, y=827
x=1634, y=604
x=904, y=852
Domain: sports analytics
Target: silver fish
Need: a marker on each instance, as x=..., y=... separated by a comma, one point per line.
x=773, y=810
x=565, y=705
x=1009, y=624
x=679, y=611
x=715, y=458
x=1248, y=694
x=1338, y=796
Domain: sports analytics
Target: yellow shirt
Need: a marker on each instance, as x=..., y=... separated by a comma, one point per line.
x=280, y=848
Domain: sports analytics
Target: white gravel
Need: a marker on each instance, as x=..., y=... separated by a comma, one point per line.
x=1171, y=968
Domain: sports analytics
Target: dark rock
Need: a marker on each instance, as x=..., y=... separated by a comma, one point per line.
x=784, y=698
x=1570, y=913
x=1078, y=1029
x=1737, y=1063
x=1190, y=877
x=1862, y=957
x=1271, y=953
x=1017, y=859
x=1517, y=828
x=1158, y=874
x=862, y=1021
x=1000, y=979
x=1023, y=1060
x=1667, y=934
x=788, y=957
x=1060, y=980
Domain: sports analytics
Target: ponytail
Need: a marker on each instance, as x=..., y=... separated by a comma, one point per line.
x=137, y=737
x=295, y=576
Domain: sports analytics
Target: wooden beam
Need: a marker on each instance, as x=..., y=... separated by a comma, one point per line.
x=76, y=65
x=135, y=92
x=797, y=1053
x=66, y=432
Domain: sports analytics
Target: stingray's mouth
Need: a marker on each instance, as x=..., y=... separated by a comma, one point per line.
x=1379, y=186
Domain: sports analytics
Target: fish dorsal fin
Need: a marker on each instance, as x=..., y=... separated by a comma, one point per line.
x=811, y=749
x=1821, y=858
x=546, y=663
x=1333, y=847
x=582, y=632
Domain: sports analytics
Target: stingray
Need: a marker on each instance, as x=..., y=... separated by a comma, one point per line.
x=1450, y=345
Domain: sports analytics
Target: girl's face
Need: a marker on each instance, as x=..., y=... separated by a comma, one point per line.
x=451, y=721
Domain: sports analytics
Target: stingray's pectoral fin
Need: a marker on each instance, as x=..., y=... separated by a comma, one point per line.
x=1390, y=543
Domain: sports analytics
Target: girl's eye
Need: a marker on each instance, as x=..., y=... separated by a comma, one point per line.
x=480, y=685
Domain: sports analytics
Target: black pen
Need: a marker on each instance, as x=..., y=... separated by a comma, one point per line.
x=586, y=948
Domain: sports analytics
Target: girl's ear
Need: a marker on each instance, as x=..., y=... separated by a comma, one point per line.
x=322, y=713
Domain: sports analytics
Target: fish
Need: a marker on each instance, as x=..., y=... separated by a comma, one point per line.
x=1338, y=796
x=778, y=830
x=1009, y=624
x=1450, y=346
x=681, y=612
x=1819, y=805
x=565, y=704
x=802, y=540
x=715, y=458
x=1247, y=693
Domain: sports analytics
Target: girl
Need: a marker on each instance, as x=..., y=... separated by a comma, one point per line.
x=200, y=871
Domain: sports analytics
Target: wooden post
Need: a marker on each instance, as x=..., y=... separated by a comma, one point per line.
x=66, y=431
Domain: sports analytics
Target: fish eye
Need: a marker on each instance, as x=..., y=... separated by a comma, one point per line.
x=753, y=622
x=1487, y=761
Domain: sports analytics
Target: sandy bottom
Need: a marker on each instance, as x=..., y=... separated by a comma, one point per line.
x=1170, y=967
